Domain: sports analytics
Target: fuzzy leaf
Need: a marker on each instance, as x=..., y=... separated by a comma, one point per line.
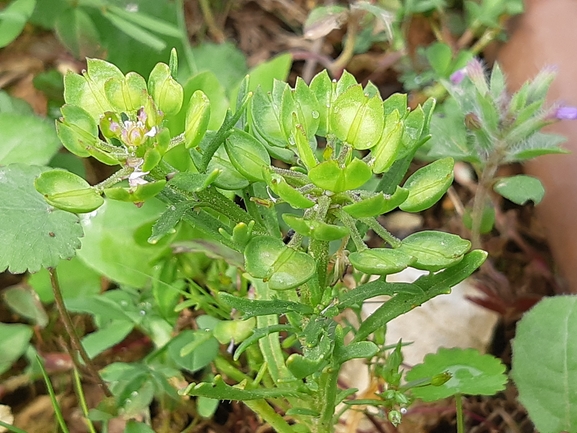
x=221, y=391
x=33, y=234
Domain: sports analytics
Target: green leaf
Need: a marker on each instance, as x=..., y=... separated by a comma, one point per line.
x=221, y=391
x=26, y=139
x=14, y=339
x=28, y=220
x=377, y=205
x=225, y=60
x=261, y=333
x=360, y=349
x=151, y=23
x=104, y=338
x=13, y=19
x=427, y=185
x=78, y=33
x=440, y=56
x=269, y=259
x=252, y=308
x=434, y=250
x=536, y=145
x=543, y=365
x=67, y=191
x=206, y=407
x=136, y=32
x=471, y=373
x=266, y=73
x=204, y=349
x=520, y=189
x=427, y=287
x=109, y=246
x=25, y=302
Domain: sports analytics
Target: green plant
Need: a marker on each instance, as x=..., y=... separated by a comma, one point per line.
x=482, y=124
x=333, y=196
x=543, y=366
x=455, y=372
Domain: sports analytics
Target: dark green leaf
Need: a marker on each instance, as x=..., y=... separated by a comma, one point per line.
x=78, y=33
x=200, y=349
x=13, y=19
x=14, y=339
x=430, y=286
x=252, y=308
x=221, y=391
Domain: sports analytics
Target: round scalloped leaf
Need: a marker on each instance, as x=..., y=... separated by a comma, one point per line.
x=544, y=364
x=33, y=234
x=68, y=191
x=471, y=373
x=520, y=189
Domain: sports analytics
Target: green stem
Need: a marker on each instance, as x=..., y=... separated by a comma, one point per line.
x=460, y=415
x=82, y=401
x=349, y=223
x=480, y=201
x=71, y=331
x=120, y=175
x=263, y=409
x=382, y=232
x=327, y=398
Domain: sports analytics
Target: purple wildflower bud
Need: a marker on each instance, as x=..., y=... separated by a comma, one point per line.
x=566, y=113
x=458, y=76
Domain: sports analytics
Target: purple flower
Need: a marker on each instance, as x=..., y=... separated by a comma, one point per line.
x=566, y=113
x=458, y=76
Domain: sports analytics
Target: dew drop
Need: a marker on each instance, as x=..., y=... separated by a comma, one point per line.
x=134, y=394
x=172, y=207
x=123, y=303
x=315, y=114
x=142, y=312
x=291, y=140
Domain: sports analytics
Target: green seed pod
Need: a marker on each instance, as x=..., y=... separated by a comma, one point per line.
x=381, y=261
x=386, y=151
x=247, y=155
x=315, y=229
x=77, y=130
x=126, y=94
x=165, y=90
x=357, y=119
x=269, y=259
x=428, y=184
x=197, y=119
x=434, y=250
x=67, y=191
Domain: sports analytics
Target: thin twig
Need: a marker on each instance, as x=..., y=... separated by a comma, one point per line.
x=74, y=339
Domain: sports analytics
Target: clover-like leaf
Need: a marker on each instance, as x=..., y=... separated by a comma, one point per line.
x=27, y=220
x=434, y=250
x=282, y=267
x=67, y=191
x=520, y=189
x=471, y=373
